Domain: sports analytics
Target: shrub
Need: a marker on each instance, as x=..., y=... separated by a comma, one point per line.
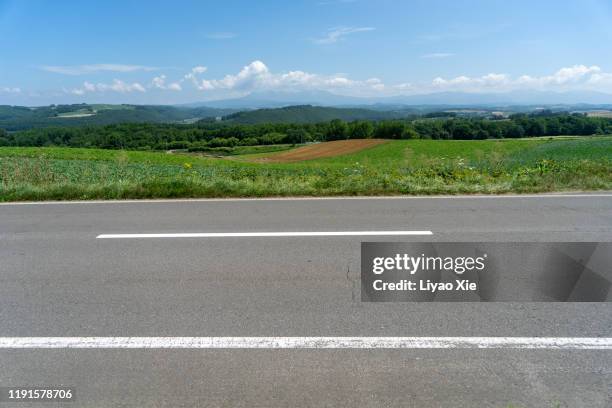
x=409, y=133
x=178, y=144
x=273, y=138
x=249, y=141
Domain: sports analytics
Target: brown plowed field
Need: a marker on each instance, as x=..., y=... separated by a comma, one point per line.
x=321, y=150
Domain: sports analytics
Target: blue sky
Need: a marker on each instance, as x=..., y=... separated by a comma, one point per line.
x=183, y=51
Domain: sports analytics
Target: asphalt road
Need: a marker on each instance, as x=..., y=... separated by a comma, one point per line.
x=57, y=279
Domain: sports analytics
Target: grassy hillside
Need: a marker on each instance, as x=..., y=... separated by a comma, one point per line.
x=396, y=167
x=309, y=114
x=20, y=117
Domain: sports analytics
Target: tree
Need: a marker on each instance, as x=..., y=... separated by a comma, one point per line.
x=464, y=130
x=4, y=138
x=336, y=130
x=536, y=127
x=389, y=130
x=360, y=130
x=553, y=127
x=481, y=134
x=249, y=141
x=514, y=131
x=299, y=135
x=410, y=133
x=590, y=128
x=273, y=138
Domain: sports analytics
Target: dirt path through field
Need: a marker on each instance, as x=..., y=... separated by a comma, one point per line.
x=320, y=150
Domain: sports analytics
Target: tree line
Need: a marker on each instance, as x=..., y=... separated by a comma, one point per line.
x=206, y=136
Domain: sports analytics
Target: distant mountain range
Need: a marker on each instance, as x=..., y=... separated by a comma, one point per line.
x=22, y=117
x=257, y=100
x=299, y=107
x=310, y=114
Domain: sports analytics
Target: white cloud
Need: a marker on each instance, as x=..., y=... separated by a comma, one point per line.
x=404, y=87
x=199, y=70
x=376, y=84
x=335, y=34
x=193, y=75
x=435, y=55
x=159, y=82
x=257, y=76
x=120, y=86
x=89, y=87
x=465, y=83
x=249, y=77
x=221, y=36
x=13, y=90
x=601, y=79
x=563, y=76
x=93, y=68
x=573, y=73
x=116, y=86
x=577, y=77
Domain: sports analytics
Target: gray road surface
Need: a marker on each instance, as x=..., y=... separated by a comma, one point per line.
x=57, y=279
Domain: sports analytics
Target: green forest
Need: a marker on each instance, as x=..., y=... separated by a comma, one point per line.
x=206, y=135
x=14, y=118
x=313, y=114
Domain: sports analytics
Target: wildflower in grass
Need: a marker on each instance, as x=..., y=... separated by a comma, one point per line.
x=187, y=166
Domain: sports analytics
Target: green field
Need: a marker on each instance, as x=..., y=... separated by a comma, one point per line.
x=396, y=167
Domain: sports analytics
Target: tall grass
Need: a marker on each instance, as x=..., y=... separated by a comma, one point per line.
x=400, y=167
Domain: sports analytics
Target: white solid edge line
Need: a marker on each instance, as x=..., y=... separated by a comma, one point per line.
x=265, y=234
x=406, y=197
x=553, y=343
